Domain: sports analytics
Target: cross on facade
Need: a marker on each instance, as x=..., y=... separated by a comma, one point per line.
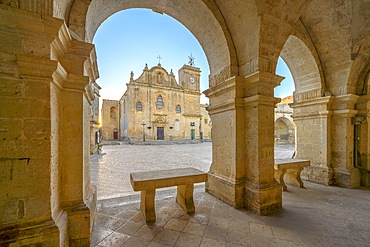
x=159, y=59
x=191, y=60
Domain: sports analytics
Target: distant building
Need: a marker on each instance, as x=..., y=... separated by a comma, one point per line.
x=284, y=125
x=156, y=107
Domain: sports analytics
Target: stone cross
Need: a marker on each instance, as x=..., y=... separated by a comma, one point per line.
x=159, y=59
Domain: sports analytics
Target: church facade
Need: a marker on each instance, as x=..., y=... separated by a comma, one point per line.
x=156, y=107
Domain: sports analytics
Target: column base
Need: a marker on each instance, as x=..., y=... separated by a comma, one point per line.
x=316, y=174
x=39, y=234
x=79, y=225
x=226, y=190
x=347, y=178
x=263, y=200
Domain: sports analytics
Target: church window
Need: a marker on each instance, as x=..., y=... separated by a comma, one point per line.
x=139, y=106
x=159, y=102
x=113, y=113
x=178, y=109
x=205, y=120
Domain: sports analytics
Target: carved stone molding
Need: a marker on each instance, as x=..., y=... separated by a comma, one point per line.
x=220, y=77
x=316, y=93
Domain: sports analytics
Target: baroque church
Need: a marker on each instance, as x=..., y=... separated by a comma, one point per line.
x=156, y=107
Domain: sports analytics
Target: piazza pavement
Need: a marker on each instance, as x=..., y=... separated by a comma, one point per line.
x=316, y=215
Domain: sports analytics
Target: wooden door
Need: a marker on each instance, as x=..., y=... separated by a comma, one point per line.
x=160, y=133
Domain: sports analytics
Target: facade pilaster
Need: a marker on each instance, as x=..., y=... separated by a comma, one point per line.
x=313, y=138
x=343, y=153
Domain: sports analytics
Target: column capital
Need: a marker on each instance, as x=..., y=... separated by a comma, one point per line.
x=344, y=102
x=261, y=83
x=318, y=107
x=231, y=84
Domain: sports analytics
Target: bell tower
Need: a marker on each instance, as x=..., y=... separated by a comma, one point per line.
x=189, y=76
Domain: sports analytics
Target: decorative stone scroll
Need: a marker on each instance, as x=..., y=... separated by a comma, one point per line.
x=316, y=93
x=222, y=76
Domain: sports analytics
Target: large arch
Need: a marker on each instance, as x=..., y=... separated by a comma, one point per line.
x=311, y=115
x=305, y=70
x=213, y=35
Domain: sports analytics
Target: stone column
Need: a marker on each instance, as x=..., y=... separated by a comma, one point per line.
x=78, y=197
x=263, y=194
x=313, y=138
x=345, y=174
x=242, y=170
x=363, y=108
x=30, y=213
x=226, y=175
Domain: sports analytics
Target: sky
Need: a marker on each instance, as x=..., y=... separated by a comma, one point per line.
x=129, y=39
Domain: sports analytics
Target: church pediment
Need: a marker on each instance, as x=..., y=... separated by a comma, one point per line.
x=158, y=76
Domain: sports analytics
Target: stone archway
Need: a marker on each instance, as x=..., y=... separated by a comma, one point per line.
x=310, y=106
x=284, y=129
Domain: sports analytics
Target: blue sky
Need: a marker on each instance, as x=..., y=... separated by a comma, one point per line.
x=129, y=39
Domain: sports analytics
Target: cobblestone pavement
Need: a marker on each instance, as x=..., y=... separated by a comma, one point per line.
x=110, y=173
x=314, y=216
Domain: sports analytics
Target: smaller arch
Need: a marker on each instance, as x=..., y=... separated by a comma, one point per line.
x=286, y=121
x=284, y=129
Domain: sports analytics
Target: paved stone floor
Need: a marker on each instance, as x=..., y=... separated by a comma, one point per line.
x=313, y=216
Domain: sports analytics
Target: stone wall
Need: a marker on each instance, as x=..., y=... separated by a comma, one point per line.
x=110, y=119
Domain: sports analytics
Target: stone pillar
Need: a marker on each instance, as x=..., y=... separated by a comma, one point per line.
x=363, y=108
x=313, y=138
x=345, y=174
x=43, y=195
x=263, y=194
x=78, y=196
x=30, y=213
x=226, y=176
x=242, y=170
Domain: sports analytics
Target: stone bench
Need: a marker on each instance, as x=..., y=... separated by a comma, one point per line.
x=292, y=168
x=183, y=178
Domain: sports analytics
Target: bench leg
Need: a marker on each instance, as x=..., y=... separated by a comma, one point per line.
x=185, y=197
x=294, y=177
x=279, y=175
x=147, y=204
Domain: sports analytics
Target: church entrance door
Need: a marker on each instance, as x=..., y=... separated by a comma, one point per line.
x=115, y=135
x=160, y=133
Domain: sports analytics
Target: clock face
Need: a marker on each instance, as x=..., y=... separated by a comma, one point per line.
x=192, y=79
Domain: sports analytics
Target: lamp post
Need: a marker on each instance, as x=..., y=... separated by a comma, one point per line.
x=143, y=123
